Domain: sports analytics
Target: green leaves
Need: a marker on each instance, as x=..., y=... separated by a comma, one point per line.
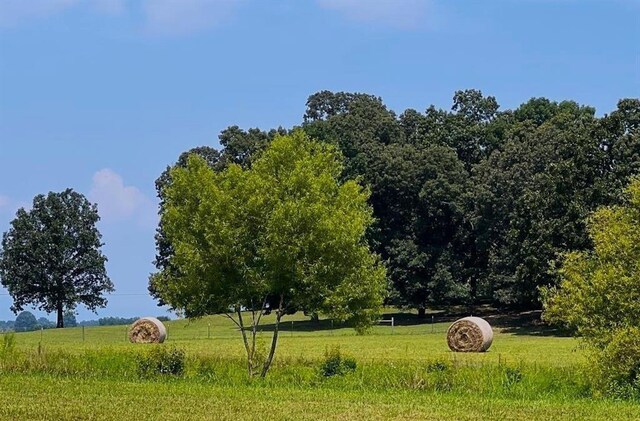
x=51, y=255
x=286, y=226
x=599, y=295
x=600, y=290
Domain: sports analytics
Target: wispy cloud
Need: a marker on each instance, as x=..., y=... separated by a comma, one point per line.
x=403, y=14
x=159, y=17
x=119, y=202
x=179, y=17
x=15, y=12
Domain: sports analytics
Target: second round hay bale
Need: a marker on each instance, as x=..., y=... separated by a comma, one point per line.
x=147, y=330
x=470, y=334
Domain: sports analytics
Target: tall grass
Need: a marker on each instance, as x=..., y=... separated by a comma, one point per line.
x=490, y=379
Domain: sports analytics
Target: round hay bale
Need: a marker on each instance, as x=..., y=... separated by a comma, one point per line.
x=147, y=330
x=470, y=334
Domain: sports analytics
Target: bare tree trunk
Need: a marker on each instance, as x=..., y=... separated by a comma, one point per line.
x=274, y=340
x=60, y=321
x=250, y=353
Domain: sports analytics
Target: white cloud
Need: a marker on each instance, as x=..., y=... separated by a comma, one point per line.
x=117, y=202
x=13, y=12
x=178, y=17
x=404, y=14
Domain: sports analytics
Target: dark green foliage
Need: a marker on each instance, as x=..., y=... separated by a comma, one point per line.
x=51, y=256
x=334, y=364
x=161, y=360
x=599, y=295
x=25, y=322
x=473, y=204
x=113, y=321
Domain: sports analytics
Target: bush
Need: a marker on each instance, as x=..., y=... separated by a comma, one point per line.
x=161, y=361
x=335, y=364
x=617, y=366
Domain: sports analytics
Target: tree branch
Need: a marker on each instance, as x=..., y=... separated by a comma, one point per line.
x=274, y=340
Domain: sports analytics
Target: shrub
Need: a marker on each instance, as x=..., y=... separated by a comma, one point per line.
x=161, y=360
x=617, y=366
x=335, y=364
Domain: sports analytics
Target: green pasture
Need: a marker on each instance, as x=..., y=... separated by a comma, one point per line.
x=411, y=339
x=404, y=372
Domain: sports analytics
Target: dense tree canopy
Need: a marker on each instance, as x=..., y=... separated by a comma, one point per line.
x=240, y=147
x=474, y=204
x=51, y=256
x=599, y=294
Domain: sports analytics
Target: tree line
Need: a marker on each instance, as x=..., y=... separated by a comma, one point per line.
x=472, y=205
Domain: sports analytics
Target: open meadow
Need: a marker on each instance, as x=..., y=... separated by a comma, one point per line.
x=404, y=372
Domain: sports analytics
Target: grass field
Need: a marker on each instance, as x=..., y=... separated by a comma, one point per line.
x=402, y=373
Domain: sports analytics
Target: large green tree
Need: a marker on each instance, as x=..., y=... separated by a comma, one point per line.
x=472, y=204
x=531, y=199
x=599, y=294
x=51, y=257
x=240, y=147
x=283, y=234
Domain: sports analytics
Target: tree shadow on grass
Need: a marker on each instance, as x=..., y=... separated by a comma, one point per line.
x=526, y=323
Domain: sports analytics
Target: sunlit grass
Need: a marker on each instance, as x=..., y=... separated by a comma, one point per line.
x=404, y=372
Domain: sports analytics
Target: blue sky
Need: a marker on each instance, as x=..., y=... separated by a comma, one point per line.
x=101, y=95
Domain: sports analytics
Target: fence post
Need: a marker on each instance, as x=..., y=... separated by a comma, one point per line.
x=82, y=333
x=432, y=326
x=392, y=324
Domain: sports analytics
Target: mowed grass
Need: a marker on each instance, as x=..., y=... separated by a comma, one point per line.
x=529, y=373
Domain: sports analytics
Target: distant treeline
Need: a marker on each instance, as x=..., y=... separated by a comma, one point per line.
x=26, y=321
x=474, y=204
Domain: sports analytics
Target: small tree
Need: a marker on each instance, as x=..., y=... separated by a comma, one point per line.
x=25, y=322
x=599, y=295
x=51, y=258
x=282, y=235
